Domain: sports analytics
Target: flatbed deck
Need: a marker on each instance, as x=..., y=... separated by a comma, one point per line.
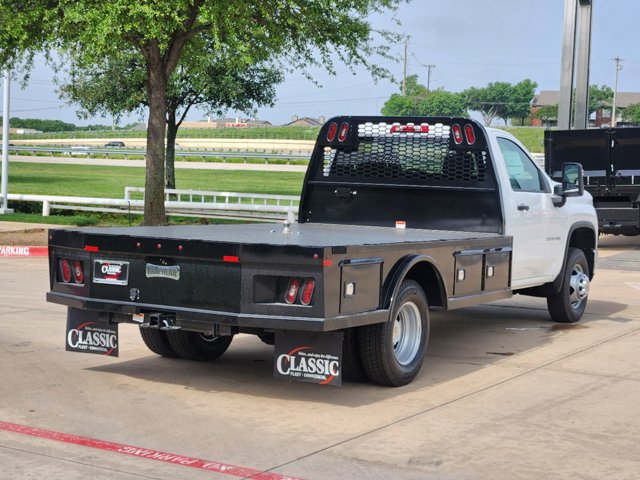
x=300, y=235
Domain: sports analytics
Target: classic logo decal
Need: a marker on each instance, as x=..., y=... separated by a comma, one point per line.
x=90, y=337
x=163, y=271
x=301, y=362
x=309, y=357
x=110, y=272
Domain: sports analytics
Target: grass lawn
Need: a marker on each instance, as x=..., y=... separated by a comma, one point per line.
x=109, y=182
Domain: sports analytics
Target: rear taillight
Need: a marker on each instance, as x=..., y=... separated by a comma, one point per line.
x=308, y=287
x=70, y=271
x=299, y=291
x=78, y=271
x=333, y=129
x=457, y=133
x=292, y=290
x=65, y=270
x=344, y=129
x=470, y=134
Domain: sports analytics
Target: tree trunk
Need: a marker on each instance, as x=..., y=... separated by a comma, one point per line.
x=154, y=212
x=170, y=159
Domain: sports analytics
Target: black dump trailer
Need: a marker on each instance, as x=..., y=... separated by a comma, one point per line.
x=611, y=161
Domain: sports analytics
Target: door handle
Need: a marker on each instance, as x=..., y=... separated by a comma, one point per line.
x=523, y=208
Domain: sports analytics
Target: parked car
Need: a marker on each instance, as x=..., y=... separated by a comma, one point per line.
x=114, y=144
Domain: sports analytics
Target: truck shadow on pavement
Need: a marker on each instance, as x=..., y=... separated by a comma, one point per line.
x=461, y=343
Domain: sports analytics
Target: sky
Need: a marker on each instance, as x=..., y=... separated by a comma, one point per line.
x=470, y=42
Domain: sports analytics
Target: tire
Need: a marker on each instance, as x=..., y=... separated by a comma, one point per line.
x=392, y=352
x=198, y=346
x=157, y=341
x=568, y=305
x=352, y=369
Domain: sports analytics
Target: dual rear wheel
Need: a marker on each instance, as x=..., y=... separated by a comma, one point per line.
x=189, y=345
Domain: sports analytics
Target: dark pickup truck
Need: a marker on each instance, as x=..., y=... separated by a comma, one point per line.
x=611, y=161
x=397, y=215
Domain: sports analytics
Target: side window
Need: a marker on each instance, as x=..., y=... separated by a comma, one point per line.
x=523, y=174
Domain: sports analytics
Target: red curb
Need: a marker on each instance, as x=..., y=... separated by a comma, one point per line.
x=23, y=251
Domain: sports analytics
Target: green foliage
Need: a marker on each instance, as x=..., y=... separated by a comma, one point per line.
x=420, y=101
x=632, y=114
x=501, y=100
x=547, y=113
x=444, y=104
x=109, y=182
x=600, y=97
x=41, y=125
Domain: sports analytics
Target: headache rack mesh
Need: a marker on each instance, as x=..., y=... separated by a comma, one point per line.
x=412, y=158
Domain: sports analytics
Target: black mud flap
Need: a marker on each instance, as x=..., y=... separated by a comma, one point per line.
x=91, y=332
x=309, y=357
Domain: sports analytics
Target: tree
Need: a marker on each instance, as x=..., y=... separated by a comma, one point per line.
x=479, y=100
x=421, y=102
x=304, y=32
x=521, y=98
x=600, y=98
x=218, y=82
x=632, y=114
x=547, y=114
x=443, y=104
x=501, y=100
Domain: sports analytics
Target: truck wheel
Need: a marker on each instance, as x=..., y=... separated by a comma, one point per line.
x=567, y=306
x=157, y=341
x=352, y=368
x=198, y=346
x=392, y=352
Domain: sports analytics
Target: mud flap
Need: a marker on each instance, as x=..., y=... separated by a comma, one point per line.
x=309, y=357
x=91, y=332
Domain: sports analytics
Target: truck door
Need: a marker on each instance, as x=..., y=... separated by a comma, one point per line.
x=531, y=218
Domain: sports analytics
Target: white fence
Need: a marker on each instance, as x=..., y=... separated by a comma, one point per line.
x=195, y=203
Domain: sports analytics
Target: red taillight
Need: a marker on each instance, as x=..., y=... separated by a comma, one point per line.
x=307, y=291
x=65, y=270
x=78, y=271
x=470, y=134
x=292, y=290
x=410, y=128
x=333, y=129
x=344, y=129
x=457, y=133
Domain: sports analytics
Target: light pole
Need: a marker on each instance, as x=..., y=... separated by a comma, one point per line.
x=615, y=91
x=4, y=191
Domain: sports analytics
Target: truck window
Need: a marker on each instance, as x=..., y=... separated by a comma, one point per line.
x=523, y=174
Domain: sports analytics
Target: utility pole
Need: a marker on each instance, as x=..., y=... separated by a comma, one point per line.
x=4, y=191
x=429, y=67
x=618, y=60
x=404, y=74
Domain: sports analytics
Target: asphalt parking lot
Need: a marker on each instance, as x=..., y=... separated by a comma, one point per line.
x=505, y=394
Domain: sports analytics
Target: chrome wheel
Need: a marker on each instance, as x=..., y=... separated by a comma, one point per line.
x=407, y=333
x=578, y=286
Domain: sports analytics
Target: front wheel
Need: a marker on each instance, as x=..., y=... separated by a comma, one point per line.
x=568, y=305
x=392, y=352
x=198, y=346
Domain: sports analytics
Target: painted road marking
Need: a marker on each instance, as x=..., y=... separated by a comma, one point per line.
x=18, y=251
x=150, y=454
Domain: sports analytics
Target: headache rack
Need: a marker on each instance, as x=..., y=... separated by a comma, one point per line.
x=429, y=172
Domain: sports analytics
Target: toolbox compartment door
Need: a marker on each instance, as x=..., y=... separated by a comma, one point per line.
x=360, y=282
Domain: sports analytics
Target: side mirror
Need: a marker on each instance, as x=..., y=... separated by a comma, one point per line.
x=572, y=180
x=572, y=184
